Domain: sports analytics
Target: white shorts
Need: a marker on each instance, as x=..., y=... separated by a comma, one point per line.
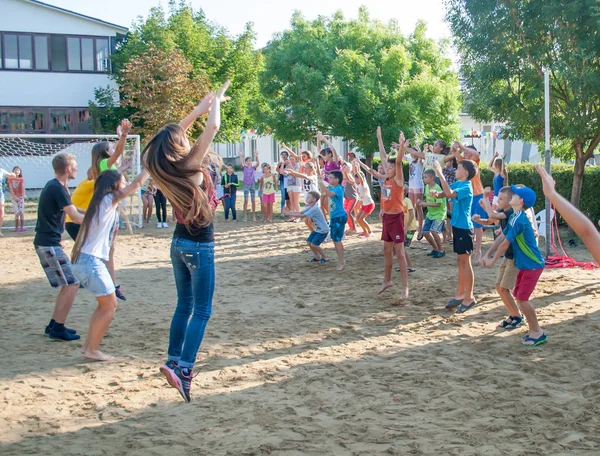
x=294, y=188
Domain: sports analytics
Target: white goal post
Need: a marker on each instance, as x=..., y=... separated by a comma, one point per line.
x=33, y=153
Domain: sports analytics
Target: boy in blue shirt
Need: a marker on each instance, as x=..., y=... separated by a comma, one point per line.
x=461, y=193
x=337, y=214
x=314, y=213
x=528, y=259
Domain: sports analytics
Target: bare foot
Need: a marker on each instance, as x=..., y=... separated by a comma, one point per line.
x=340, y=267
x=97, y=356
x=83, y=349
x=385, y=286
x=404, y=292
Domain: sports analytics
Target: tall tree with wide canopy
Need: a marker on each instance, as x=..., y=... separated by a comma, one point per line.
x=212, y=54
x=346, y=77
x=504, y=46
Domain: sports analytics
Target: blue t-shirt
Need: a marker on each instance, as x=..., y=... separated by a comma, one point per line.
x=461, y=205
x=519, y=233
x=498, y=184
x=336, y=203
x=316, y=215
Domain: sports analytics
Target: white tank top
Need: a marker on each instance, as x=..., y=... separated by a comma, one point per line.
x=102, y=230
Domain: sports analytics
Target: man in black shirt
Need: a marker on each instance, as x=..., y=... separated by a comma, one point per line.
x=54, y=202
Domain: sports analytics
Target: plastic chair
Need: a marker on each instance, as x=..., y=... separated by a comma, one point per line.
x=540, y=221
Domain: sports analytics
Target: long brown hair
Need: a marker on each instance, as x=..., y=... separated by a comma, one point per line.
x=165, y=158
x=107, y=182
x=99, y=153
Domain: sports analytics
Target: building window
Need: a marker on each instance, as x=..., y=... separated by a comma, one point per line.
x=26, y=51
x=58, y=53
x=41, y=52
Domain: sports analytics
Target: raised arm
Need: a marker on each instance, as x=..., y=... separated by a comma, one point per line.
x=202, y=109
x=297, y=174
x=290, y=151
x=491, y=163
x=399, y=178
x=492, y=214
x=131, y=188
x=382, y=153
x=122, y=131
x=213, y=124
x=336, y=158
x=583, y=226
x=257, y=162
x=445, y=187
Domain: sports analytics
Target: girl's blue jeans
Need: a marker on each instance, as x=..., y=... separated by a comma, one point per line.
x=194, y=270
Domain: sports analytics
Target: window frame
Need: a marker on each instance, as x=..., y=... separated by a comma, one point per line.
x=48, y=36
x=47, y=111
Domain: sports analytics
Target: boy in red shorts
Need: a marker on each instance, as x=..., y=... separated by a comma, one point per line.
x=393, y=234
x=528, y=260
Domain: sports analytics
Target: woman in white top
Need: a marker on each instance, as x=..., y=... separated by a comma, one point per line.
x=367, y=204
x=92, y=251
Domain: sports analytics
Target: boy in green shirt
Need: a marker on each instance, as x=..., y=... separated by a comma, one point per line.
x=435, y=220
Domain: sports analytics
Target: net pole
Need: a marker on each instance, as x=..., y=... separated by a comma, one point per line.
x=548, y=154
x=138, y=171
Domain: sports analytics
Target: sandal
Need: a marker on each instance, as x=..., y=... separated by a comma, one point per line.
x=453, y=303
x=511, y=323
x=463, y=308
x=539, y=341
x=323, y=260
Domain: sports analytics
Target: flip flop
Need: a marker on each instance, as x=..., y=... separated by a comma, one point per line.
x=462, y=308
x=453, y=303
x=539, y=341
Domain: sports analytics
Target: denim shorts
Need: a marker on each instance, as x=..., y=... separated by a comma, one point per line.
x=437, y=226
x=249, y=191
x=316, y=238
x=93, y=275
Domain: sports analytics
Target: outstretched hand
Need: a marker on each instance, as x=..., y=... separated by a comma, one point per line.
x=221, y=93
x=124, y=127
x=204, y=106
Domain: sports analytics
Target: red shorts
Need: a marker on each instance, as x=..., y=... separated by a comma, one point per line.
x=393, y=228
x=348, y=205
x=526, y=282
x=367, y=209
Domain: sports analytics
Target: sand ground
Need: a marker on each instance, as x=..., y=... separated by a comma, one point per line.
x=299, y=359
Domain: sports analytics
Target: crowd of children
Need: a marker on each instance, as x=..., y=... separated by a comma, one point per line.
x=444, y=202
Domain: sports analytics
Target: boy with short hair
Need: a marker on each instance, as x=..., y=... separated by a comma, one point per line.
x=506, y=278
x=321, y=227
x=435, y=220
x=394, y=232
x=54, y=203
x=528, y=260
x=461, y=193
x=337, y=215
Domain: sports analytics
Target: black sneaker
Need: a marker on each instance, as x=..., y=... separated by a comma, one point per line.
x=183, y=381
x=63, y=335
x=49, y=328
x=119, y=293
x=433, y=253
x=439, y=254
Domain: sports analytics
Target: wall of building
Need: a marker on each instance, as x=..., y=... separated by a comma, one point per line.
x=24, y=16
x=37, y=89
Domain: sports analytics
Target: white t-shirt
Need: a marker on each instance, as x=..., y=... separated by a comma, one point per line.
x=102, y=230
x=415, y=176
x=364, y=192
x=431, y=158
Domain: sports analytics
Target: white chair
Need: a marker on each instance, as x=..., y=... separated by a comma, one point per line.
x=540, y=221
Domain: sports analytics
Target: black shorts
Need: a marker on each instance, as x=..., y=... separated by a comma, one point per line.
x=463, y=241
x=72, y=229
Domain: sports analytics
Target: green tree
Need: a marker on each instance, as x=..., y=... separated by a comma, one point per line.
x=346, y=77
x=211, y=52
x=504, y=46
x=158, y=87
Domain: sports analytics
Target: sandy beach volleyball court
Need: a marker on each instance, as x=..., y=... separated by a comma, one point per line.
x=299, y=359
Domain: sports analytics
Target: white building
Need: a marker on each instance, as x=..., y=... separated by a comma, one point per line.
x=51, y=59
